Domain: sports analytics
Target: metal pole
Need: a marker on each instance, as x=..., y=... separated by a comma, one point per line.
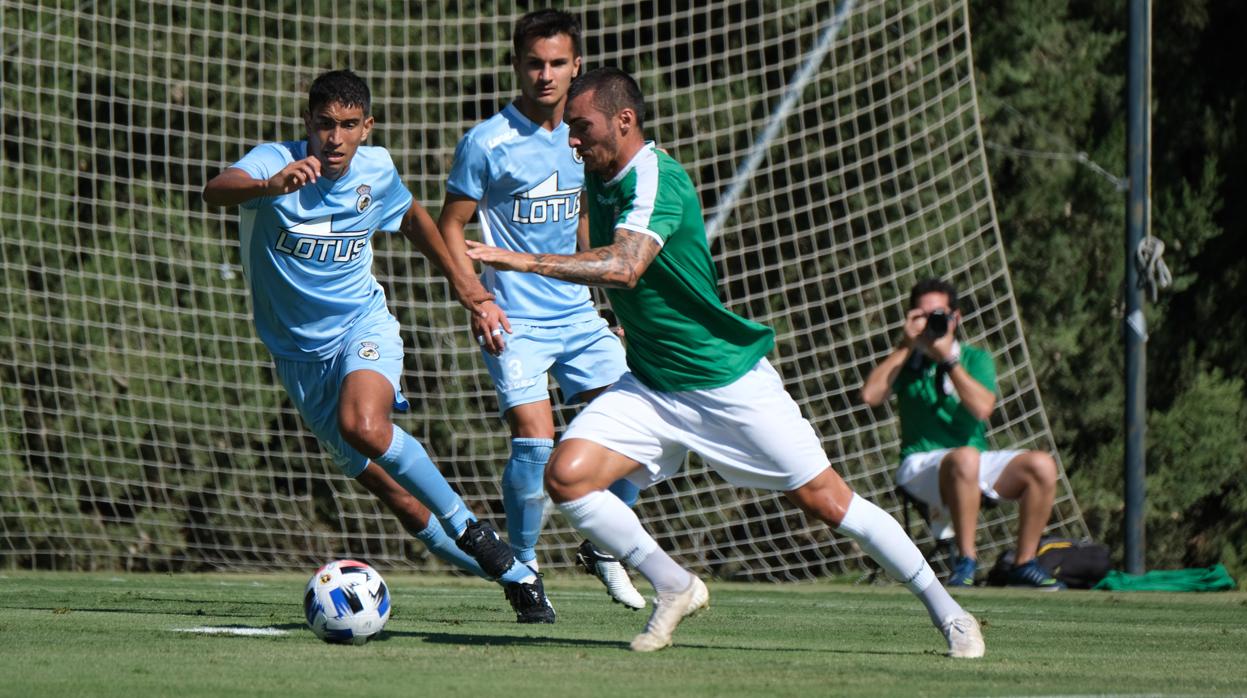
x=1137, y=212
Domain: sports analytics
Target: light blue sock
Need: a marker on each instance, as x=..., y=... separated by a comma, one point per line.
x=435, y=539
x=523, y=497
x=519, y=572
x=408, y=463
x=627, y=492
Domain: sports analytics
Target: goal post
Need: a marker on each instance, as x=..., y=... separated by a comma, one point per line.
x=838, y=155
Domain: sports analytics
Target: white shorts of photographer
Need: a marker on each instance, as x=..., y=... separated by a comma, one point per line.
x=919, y=476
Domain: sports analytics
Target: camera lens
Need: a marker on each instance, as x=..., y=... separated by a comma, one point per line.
x=937, y=325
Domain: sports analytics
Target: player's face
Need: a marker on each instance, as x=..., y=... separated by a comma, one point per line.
x=546, y=68
x=592, y=133
x=334, y=133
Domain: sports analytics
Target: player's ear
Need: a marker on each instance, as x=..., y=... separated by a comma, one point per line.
x=368, y=123
x=627, y=119
x=576, y=67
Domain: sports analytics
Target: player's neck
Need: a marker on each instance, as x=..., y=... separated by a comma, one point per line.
x=628, y=148
x=548, y=118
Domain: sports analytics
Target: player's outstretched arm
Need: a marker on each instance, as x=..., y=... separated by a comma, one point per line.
x=234, y=186
x=618, y=265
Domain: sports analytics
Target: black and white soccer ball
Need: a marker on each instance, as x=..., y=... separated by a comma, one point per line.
x=346, y=602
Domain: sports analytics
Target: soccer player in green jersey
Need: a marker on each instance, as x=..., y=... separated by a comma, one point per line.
x=945, y=391
x=698, y=376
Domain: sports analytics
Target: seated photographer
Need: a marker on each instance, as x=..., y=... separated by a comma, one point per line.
x=946, y=391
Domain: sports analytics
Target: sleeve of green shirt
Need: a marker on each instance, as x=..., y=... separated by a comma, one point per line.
x=979, y=364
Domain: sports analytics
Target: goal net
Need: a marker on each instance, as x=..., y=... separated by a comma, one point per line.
x=838, y=155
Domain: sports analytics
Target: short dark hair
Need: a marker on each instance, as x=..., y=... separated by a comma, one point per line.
x=614, y=90
x=926, y=286
x=545, y=24
x=340, y=87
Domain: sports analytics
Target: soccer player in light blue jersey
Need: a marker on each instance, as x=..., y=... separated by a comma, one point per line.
x=517, y=174
x=308, y=210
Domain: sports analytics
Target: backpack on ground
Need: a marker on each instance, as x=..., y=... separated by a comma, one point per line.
x=1080, y=564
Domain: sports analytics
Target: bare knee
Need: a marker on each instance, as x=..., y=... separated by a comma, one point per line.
x=1041, y=469
x=961, y=464
x=564, y=481
x=826, y=497
x=578, y=467
x=366, y=433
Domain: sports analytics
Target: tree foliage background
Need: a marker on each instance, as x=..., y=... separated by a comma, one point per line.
x=1051, y=84
x=1051, y=78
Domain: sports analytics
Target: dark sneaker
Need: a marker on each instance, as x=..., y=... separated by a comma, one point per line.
x=611, y=574
x=481, y=542
x=529, y=601
x=963, y=573
x=1033, y=576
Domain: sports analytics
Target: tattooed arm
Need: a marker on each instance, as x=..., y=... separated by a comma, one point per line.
x=618, y=265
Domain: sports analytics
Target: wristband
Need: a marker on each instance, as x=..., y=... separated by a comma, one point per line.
x=949, y=364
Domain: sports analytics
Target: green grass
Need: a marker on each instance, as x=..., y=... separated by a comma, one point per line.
x=67, y=634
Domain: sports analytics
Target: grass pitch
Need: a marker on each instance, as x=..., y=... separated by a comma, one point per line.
x=65, y=634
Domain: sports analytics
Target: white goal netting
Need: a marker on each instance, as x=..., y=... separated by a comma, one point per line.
x=142, y=424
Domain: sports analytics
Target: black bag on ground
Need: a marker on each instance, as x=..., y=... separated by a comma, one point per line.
x=1080, y=564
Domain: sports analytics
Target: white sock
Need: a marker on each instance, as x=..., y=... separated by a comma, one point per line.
x=615, y=529
x=883, y=539
x=664, y=573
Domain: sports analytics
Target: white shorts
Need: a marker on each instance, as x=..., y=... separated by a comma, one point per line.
x=750, y=431
x=919, y=475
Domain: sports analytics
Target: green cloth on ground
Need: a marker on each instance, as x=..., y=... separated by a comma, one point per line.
x=1214, y=578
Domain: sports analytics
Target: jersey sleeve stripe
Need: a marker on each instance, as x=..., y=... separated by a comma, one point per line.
x=646, y=192
x=643, y=231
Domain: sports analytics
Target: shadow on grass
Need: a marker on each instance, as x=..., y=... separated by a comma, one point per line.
x=522, y=641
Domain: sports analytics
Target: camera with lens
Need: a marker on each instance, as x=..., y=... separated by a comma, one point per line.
x=937, y=326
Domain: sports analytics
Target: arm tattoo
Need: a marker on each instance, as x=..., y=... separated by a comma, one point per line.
x=618, y=265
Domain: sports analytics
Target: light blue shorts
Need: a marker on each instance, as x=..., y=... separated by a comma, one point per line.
x=373, y=344
x=582, y=356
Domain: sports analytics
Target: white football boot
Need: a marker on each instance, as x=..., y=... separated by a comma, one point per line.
x=965, y=638
x=669, y=609
x=612, y=574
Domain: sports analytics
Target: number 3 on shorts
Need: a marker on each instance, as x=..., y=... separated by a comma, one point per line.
x=515, y=370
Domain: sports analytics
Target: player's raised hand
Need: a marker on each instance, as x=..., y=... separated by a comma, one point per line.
x=294, y=176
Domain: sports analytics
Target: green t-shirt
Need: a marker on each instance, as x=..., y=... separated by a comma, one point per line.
x=932, y=420
x=679, y=335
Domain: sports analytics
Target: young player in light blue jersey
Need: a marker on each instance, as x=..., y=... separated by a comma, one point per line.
x=516, y=172
x=308, y=211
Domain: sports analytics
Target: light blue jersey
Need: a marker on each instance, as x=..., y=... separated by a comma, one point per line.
x=527, y=183
x=306, y=253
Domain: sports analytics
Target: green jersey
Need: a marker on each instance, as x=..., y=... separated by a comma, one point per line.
x=678, y=334
x=932, y=416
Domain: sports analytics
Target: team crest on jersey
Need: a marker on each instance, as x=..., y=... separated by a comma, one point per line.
x=365, y=197
x=576, y=156
x=546, y=203
x=368, y=350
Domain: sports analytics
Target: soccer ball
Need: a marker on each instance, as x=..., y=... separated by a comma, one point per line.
x=346, y=602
